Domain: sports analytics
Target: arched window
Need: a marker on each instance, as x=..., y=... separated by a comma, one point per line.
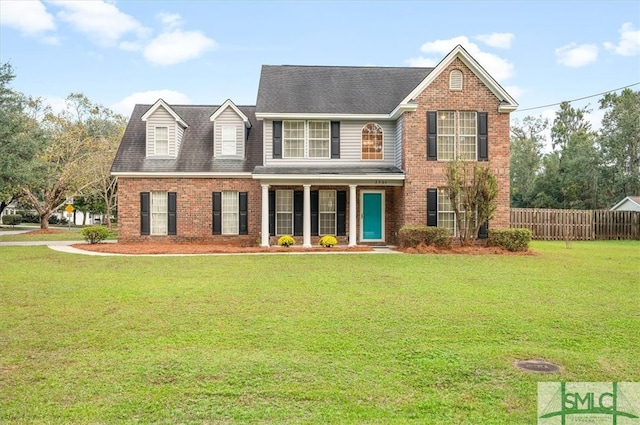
x=455, y=80
x=372, y=139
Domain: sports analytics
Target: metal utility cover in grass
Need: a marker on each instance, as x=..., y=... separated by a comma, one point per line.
x=537, y=366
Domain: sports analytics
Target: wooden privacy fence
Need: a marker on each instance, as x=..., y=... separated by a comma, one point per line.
x=581, y=225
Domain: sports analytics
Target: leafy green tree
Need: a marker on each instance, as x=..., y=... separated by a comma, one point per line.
x=21, y=138
x=620, y=143
x=526, y=159
x=67, y=166
x=473, y=191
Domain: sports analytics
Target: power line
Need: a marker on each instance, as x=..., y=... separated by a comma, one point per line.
x=580, y=98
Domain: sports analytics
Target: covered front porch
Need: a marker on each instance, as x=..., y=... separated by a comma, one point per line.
x=307, y=204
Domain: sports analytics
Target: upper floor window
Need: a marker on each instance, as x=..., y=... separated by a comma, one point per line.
x=372, y=141
x=461, y=126
x=229, y=140
x=455, y=80
x=305, y=139
x=161, y=140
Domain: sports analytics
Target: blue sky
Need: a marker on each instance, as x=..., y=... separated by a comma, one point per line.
x=119, y=53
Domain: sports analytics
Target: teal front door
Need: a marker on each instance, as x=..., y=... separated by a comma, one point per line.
x=372, y=216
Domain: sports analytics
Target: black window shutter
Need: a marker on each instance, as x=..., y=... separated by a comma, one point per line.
x=432, y=135
x=341, y=209
x=298, y=201
x=315, y=207
x=243, y=205
x=483, y=139
x=335, y=139
x=171, y=212
x=277, y=139
x=145, y=208
x=272, y=212
x=483, y=233
x=217, y=213
x=432, y=207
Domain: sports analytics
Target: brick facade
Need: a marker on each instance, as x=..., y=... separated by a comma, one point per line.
x=422, y=174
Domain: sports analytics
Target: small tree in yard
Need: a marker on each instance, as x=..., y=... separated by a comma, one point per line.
x=473, y=191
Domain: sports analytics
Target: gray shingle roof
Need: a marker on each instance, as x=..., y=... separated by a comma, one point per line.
x=335, y=89
x=196, y=152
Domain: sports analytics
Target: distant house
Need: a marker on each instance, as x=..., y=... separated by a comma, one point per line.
x=355, y=152
x=630, y=203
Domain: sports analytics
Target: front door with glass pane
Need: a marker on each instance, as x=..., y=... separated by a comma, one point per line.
x=372, y=216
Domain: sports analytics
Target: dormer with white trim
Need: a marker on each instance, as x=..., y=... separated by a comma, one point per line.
x=164, y=131
x=230, y=131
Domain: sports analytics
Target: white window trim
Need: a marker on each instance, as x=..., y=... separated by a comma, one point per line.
x=153, y=214
x=278, y=212
x=235, y=209
x=361, y=142
x=306, y=141
x=228, y=141
x=334, y=212
x=456, y=135
x=155, y=140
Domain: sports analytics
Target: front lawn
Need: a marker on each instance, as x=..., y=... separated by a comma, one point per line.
x=353, y=338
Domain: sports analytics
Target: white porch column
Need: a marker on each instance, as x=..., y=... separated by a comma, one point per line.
x=306, y=217
x=264, y=226
x=353, y=237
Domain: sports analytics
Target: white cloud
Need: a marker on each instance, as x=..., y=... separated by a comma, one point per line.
x=125, y=106
x=500, y=40
x=170, y=20
x=629, y=44
x=177, y=46
x=421, y=61
x=575, y=56
x=499, y=68
x=102, y=22
x=29, y=17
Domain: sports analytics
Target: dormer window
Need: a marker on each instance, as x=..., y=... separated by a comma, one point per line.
x=229, y=140
x=162, y=141
x=455, y=80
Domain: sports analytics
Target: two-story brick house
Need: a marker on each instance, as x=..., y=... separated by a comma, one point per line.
x=355, y=152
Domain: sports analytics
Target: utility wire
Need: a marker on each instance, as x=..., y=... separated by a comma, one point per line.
x=580, y=98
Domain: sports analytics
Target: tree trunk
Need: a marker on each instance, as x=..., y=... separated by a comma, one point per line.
x=44, y=220
x=3, y=205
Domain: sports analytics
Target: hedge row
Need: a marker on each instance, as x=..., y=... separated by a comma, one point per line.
x=412, y=236
x=515, y=239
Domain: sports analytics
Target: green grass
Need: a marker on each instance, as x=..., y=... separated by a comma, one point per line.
x=338, y=339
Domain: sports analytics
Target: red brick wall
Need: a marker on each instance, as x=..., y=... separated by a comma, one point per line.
x=194, y=208
x=422, y=174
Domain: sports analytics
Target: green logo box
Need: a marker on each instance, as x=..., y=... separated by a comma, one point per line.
x=588, y=403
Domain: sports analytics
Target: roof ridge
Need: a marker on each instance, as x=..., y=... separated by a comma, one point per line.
x=351, y=66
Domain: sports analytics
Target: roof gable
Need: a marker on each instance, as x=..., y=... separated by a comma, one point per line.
x=634, y=202
x=229, y=104
x=507, y=103
x=162, y=104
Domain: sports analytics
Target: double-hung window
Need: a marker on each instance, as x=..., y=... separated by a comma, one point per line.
x=446, y=135
x=327, y=212
x=319, y=139
x=162, y=140
x=284, y=212
x=293, y=139
x=306, y=139
x=468, y=135
x=159, y=213
x=230, y=213
x=229, y=140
